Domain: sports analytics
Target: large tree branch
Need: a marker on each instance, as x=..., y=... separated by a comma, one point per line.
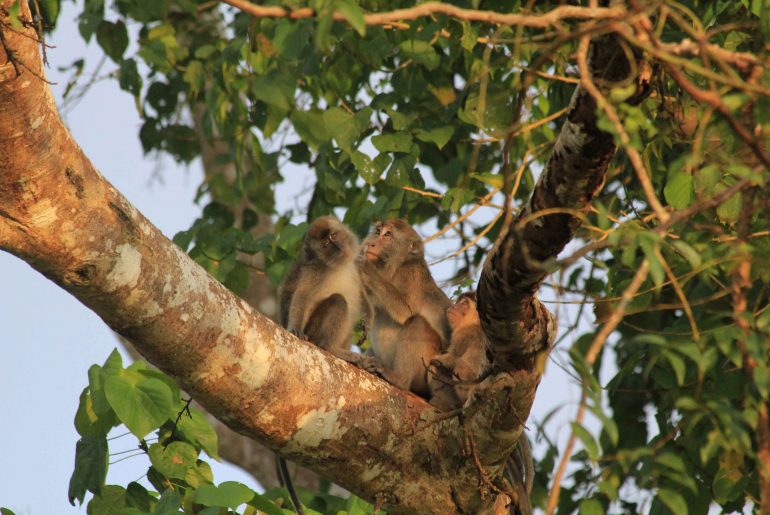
x=516, y=323
x=64, y=219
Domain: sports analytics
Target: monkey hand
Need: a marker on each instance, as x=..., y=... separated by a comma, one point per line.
x=298, y=333
x=373, y=365
x=443, y=362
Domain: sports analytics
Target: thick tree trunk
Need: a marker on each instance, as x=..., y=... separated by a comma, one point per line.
x=517, y=325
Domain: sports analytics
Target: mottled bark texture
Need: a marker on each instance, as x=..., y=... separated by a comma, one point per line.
x=518, y=326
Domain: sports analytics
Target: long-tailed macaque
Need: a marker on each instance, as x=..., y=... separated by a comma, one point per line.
x=407, y=320
x=321, y=295
x=321, y=300
x=451, y=374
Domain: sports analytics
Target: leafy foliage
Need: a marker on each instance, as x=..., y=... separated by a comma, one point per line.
x=147, y=401
x=415, y=120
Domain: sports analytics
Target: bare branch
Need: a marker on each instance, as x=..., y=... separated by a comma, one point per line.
x=549, y=19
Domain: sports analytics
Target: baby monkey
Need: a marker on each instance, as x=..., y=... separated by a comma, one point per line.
x=451, y=375
x=321, y=294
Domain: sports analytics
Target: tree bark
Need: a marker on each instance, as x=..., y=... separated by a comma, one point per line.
x=518, y=326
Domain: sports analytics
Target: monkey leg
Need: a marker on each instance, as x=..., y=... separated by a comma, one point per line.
x=325, y=327
x=418, y=344
x=441, y=384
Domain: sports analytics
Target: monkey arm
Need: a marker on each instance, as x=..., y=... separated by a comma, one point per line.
x=382, y=294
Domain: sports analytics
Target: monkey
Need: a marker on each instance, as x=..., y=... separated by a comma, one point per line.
x=406, y=314
x=321, y=300
x=321, y=294
x=451, y=374
x=451, y=380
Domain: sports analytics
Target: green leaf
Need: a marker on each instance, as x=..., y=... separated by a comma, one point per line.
x=468, y=41
x=421, y=52
x=262, y=503
x=370, y=170
x=706, y=179
x=141, y=404
x=310, y=127
x=111, y=500
x=353, y=13
x=590, y=507
x=173, y=460
x=673, y=500
x=229, y=494
x=689, y=253
x=197, y=429
x=113, y=38
x=91, y=455
x=440, y=136
x=679, y=189
x=590, y=445
x=129, y=78
x=169, y=503
x=730, y=210
x=90, y=18
x=194, y=76
x=6, y=511
x=90, y=423
x=394, y=142
x=677, y=363
x=343, y=128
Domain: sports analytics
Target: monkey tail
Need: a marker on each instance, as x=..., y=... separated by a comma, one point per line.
x=285, y=479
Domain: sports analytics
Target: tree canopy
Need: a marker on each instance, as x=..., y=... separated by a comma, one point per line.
x=493, y=128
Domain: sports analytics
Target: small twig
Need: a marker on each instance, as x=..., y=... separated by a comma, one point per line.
x=185, y=409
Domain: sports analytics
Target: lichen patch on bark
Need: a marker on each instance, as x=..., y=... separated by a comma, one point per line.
x=126, y=270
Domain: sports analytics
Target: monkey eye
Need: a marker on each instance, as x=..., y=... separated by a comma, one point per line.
x=333, y=235
x=387, y=234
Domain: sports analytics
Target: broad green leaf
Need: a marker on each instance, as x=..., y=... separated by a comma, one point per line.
x=194, y=76
x=679, y=189
x=440, y=136
x=590, y=507
x=169, y=503
x=229, y=494
x=264, y=504
x=173, y=460
x=90, y=423
x=90, y=467
x=141, y=404
x=197, y=429
x=310, y=127
x=394, y=142
x=129, y=78
x=353, y=13
x=342, y=126
x=706, y=179
x=673, y=500
x=421, y=52
x=111, y=500
x=730, y=479
x=113, y=38
x=730, y=210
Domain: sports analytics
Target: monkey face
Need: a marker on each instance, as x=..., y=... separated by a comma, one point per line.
x=328, y=239
x=392, y=237
x=463, y=312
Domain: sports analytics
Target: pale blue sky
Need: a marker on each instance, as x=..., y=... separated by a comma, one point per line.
x=50, y=339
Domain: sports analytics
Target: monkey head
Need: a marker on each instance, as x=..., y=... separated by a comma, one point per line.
x=330, y=241
x=392, y=239
x=463, y=312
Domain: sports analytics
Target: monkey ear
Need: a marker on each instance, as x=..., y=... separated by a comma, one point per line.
x=415, y=248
